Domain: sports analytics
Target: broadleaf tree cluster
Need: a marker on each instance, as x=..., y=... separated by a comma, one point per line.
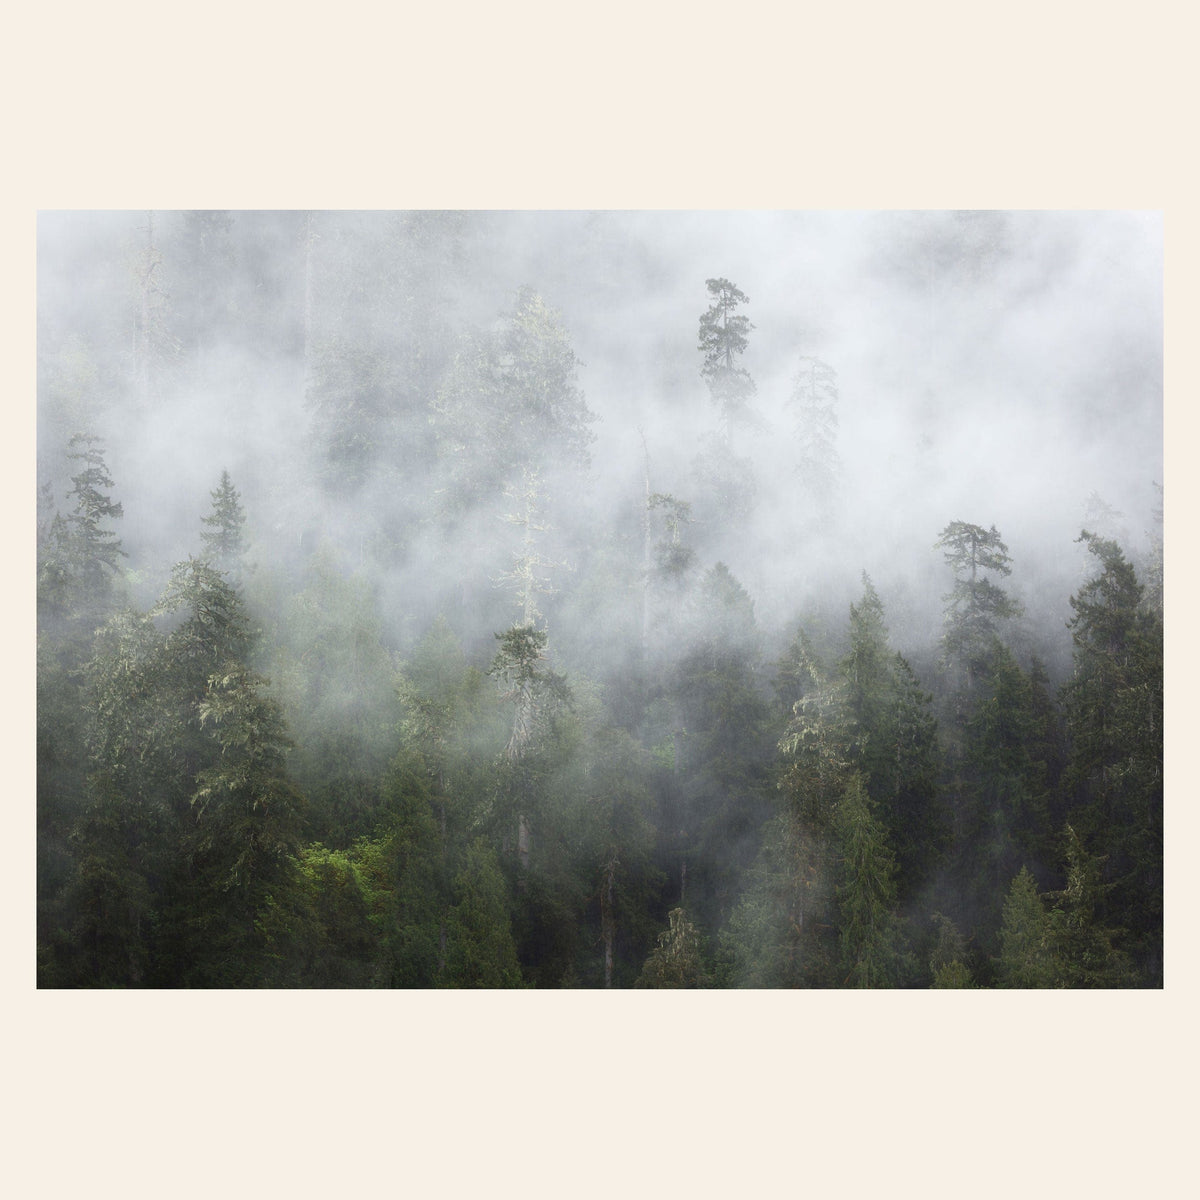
x=442, y=699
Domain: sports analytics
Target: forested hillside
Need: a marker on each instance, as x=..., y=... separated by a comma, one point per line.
x=584, y=600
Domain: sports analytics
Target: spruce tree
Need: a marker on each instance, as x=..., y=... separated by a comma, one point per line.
x=1114, y=712
x=873, y=949
x=79, y=567
x=1027, y=955
x=222, y=541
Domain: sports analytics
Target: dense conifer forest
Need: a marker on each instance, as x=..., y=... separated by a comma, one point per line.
x=599, y=600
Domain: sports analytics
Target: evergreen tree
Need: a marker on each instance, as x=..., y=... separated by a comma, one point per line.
x=334, y=674
x=450, y=724
x=723, y=795
x=481, y=950
x=672, y=558
x=537, y=695
x=1027, y=954
x=677, y=961
x=245, y=836
x=510, y=401
x=97, y=549
x=894, y=741
x=223, y=539
x=1153, y=573
x=976, y=605
x=873, y=952
x=782, y=931
x=527, y=577
x=1088, y=950
x=1114, y=711
x=948, y=959
x=616, y=850
x=79, y=569
x=723, y=340
x=906, y=783
x=329, y=922
x=411, y=877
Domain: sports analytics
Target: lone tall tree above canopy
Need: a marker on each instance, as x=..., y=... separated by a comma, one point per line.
x=976, y=606
x=723, y=340
x=223, y=539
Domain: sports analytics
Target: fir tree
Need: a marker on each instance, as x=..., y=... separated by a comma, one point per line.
x=223, y=539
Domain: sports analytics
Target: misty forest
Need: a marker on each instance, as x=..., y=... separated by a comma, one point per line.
x=599, y=599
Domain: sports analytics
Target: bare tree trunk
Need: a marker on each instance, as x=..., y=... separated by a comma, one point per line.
x=608, y=926
x=645, y=553
x=524, y=841
x=144, y=340
x=309, y=238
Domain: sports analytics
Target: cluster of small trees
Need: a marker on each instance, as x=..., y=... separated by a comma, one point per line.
x=606, y=775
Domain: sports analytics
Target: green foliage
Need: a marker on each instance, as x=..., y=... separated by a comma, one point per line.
x=340, y=943
x=99, y=548
x=873, y=951
x=220, y=805
x=868, y=715
x=948, y=959
x=536, y=693
x=952, y=975
x=1027, y=954
x=723, y=340
x=1008, y=776
x=673, y=559
x=107, y=906
x=223, y=542
x=976, y=606
x=480, y=950
x=79, y=573
x=335, y=678
x=782, y=931
x=1088, y=951
x=212, y=626
x=1114, y=711
x=725, y=755
x=451, y=721
x=678, y=959
x=615, y=846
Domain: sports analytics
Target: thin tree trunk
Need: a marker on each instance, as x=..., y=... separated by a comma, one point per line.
x=146, y=315
x=645, y=553
x=309, y=238
x=524, y=841
x=607, y=918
